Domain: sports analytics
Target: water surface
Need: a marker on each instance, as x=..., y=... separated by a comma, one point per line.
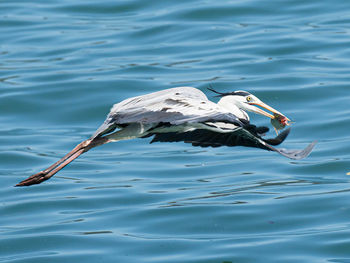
x=63, y=64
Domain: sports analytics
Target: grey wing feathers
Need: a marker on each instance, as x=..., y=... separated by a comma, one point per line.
x=294, y=154
x=212, y=138
x=209, y=138
x=175, y=106
x=238, y=137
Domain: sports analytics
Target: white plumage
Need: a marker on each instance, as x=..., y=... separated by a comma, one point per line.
x=175, y=106
x=181, y=114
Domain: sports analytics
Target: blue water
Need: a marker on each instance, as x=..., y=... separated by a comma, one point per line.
x=63, y=64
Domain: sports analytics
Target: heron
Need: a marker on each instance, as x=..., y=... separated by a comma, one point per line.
x=182, y=114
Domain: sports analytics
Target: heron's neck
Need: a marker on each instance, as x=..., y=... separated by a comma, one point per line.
x=230, y=105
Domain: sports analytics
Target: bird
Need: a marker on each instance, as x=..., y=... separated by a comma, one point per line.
x=182, y=114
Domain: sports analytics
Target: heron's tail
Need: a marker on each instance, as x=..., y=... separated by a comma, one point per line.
x=68, y=158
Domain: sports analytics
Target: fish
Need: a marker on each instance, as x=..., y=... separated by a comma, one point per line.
x=279, y=122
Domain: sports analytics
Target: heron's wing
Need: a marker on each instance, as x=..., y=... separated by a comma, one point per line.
x=175, y=106
x=238, y=137
x=294, y=154
x=212, y=138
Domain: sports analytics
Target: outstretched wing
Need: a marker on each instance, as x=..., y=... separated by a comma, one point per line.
x=211, y=137
x=175, y=106
x=237, y=137
x=294, y=154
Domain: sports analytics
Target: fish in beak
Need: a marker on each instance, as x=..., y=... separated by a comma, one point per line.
x=278, y=120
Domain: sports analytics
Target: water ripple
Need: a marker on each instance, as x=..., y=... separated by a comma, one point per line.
x=63, y=65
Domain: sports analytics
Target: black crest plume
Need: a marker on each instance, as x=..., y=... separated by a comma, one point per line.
x=217, y=92
x=223, y=94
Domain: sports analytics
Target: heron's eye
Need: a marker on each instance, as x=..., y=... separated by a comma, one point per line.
x=249, y=98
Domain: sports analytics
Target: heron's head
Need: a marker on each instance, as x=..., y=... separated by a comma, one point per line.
x=247, y=102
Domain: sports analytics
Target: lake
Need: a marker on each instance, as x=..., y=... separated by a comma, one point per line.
x=63, y=64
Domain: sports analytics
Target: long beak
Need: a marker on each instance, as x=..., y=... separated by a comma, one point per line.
x=267, y=107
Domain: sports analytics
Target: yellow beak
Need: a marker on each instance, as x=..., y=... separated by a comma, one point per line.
x=267, y=107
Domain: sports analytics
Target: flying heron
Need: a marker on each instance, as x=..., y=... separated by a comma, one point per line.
x=182, y=114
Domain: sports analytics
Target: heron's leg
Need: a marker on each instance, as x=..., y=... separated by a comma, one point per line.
x=131, y=131
x=76, y=148
x=51, y=171
x=57, y=166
